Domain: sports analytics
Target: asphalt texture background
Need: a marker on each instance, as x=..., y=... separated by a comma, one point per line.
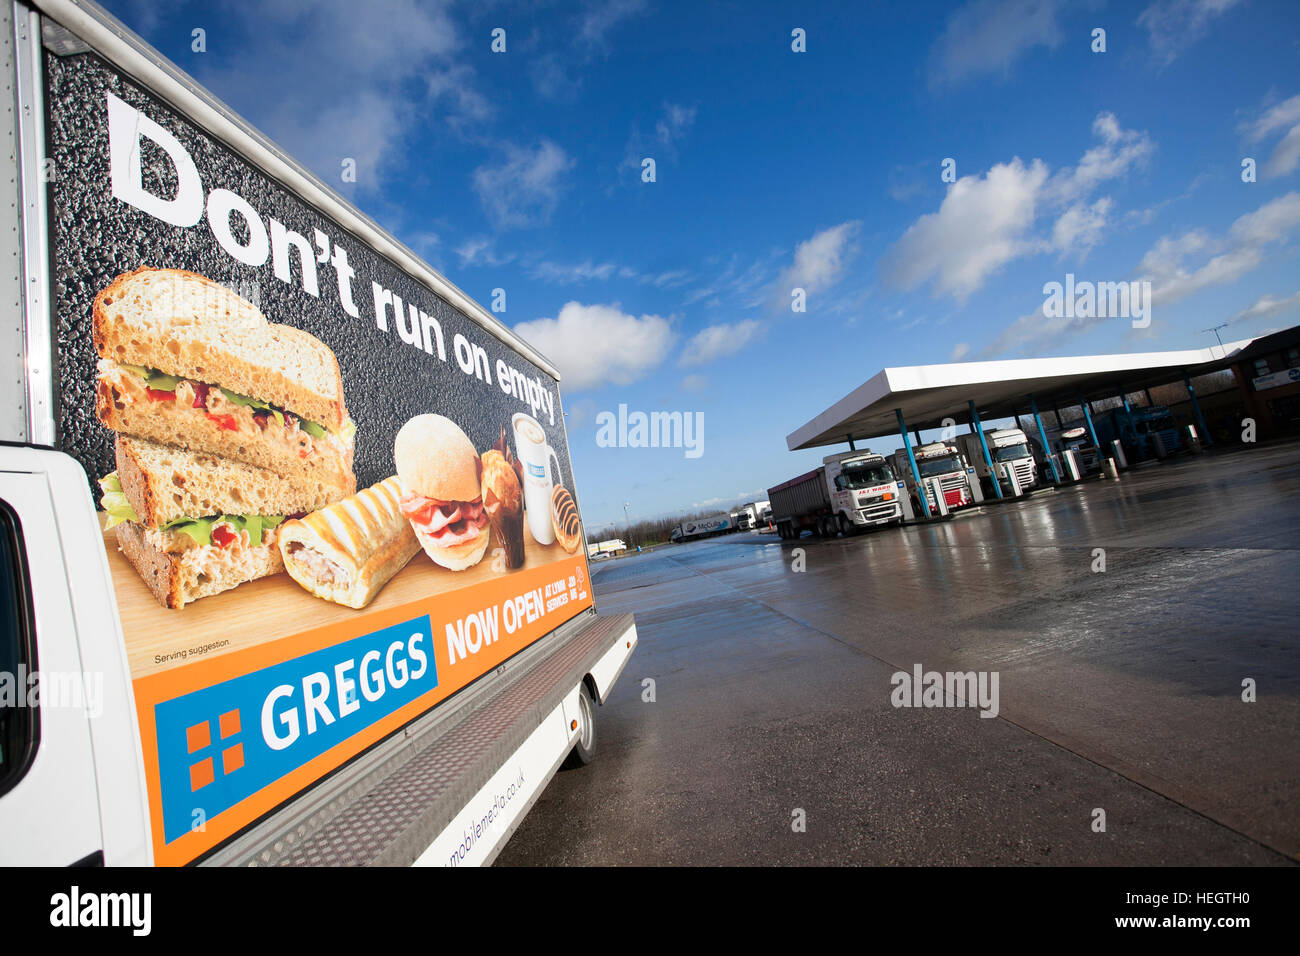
x=1119, y=690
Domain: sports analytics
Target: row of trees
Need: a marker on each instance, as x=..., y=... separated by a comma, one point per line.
x=651, y=530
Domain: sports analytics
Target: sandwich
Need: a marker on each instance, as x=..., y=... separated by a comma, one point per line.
x=193, y=525
x=183, y=364
x=442, y=497
x=349, y=550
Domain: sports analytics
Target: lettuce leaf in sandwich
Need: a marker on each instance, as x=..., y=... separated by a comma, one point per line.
x=199, y=530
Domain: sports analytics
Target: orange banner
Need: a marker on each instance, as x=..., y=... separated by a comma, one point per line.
x=229, y=738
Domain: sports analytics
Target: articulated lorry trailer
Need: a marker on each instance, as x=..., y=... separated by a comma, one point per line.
x=939, y=463
x=306, y=623
x=703, y=528
x=849, y=491
x=1010, y=453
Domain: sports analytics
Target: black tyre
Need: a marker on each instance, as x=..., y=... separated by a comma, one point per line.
x=584, y=751
x=846, y=526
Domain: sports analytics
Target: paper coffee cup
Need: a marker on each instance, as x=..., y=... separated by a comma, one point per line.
x=535, y=455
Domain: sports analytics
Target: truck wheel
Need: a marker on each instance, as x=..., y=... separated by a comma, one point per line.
x=846, y=528
x=828, y=527
x=584, y=751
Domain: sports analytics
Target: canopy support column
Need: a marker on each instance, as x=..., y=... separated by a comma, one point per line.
x=1042, y=435
x=911, y=460
x=978, y=429
x=1092, y=432
x=1196, y=407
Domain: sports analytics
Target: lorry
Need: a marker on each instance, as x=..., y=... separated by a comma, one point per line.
x=942, y=462
x=1145, y=432
x=850, y=491
x=1073, y=437
x=609, y=546
x=169, y=694
x=750, y=516
x=1010, y=452
x=703, y=528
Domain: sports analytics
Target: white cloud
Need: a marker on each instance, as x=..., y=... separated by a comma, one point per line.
x=423, y=242
x=1240, y=251
x=601, y=17
x=743, y=289
x=669, y=279
x=718, y=340
x=670, y=130
x=989, y=35
x=1178, y=267
x=695, y=383
x=1175, y=25
x=378, y=85
x=597, y=344
x=1080, y=227
x=1266, y=306
x=959, y=352
x=1269, y=223
x=1286, y=154
x=986, y=221
x=551, y=77
x=819, y=262
x=455, y=85
x=983, y=223
x=524, y=188
x=1279, y=116
x=1119, y=151
x=674, y=123
x=579, y=413
x=557, y=70
x=567, y=274
x=740, y=497
x=481, y=251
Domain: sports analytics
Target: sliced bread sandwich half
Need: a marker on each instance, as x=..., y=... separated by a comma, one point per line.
x=195, y=525
x=207, y=376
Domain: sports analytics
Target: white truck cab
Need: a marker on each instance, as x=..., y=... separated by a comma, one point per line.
x=1010, y=453
x=863, y=489
x=939, y=461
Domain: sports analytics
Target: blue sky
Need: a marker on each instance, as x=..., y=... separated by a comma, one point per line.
x=774, y=170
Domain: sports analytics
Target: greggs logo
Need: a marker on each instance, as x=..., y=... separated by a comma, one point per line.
x=324, y=700
x=220, y=745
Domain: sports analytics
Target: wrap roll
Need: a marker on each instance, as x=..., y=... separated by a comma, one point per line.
x=348, y=551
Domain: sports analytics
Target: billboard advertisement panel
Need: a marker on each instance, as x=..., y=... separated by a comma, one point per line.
x=331, y=499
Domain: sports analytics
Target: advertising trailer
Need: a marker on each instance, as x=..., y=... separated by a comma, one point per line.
x=282, y=510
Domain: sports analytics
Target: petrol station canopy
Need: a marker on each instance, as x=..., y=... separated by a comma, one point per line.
x=927, y=394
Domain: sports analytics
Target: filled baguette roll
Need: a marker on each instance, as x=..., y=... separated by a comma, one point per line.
x=348, y=551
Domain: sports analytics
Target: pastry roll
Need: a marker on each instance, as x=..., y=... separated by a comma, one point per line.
x=564, y=517
x=347, y=551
